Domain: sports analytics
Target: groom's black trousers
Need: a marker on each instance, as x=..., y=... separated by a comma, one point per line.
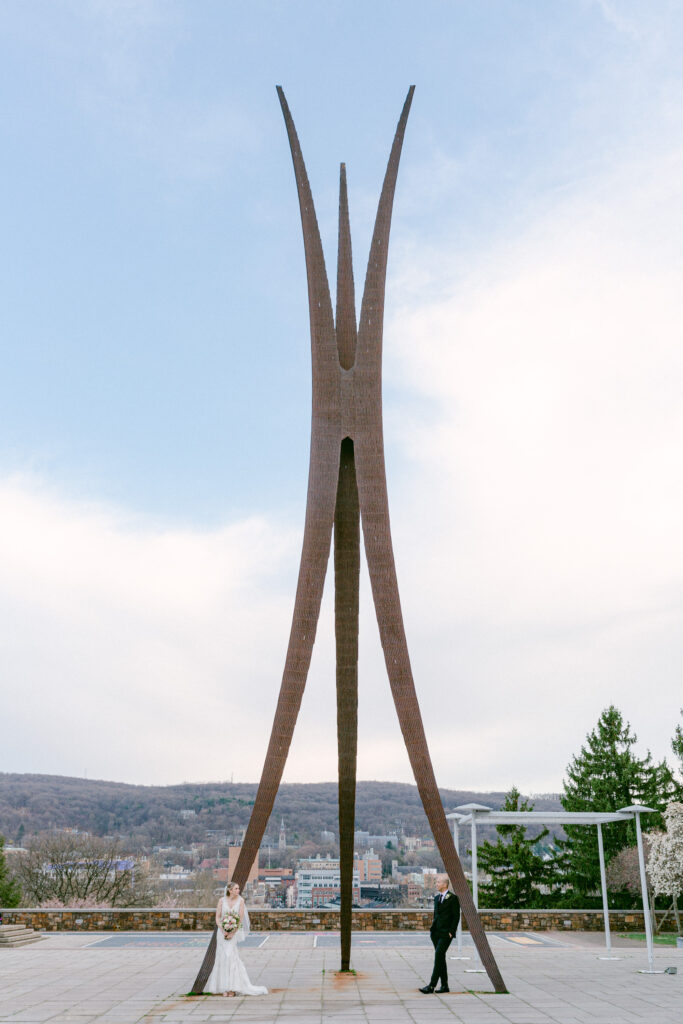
x=441, y=941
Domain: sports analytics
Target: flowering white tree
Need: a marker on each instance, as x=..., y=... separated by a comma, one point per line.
x=623, y=871
x=666, y=858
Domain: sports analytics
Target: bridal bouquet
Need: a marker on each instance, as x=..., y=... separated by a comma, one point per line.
x=230, y=924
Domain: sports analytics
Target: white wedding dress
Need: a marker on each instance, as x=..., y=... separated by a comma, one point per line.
x=229, y=973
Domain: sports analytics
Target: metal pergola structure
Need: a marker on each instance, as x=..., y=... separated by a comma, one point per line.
x=472, y=814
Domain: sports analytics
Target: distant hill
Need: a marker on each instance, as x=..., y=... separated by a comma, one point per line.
x=151, y=815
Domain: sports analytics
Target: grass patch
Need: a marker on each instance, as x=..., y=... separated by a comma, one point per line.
x=659, y=940
x=481, y=992
x=213, y=995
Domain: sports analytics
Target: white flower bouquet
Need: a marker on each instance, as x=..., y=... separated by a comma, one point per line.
x=230, y=924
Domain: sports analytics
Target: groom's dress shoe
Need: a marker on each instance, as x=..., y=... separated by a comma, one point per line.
x=427, y=990
x=444, y=988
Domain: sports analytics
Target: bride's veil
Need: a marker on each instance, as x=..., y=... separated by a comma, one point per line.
x=246, y=926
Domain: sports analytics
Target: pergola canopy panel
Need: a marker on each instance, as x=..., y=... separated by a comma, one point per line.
x=541, y=817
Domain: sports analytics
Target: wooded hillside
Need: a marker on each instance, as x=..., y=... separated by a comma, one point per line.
x=151, y=815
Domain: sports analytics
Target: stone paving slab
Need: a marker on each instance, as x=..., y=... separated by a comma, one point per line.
x=168, y=940
x=67, y=979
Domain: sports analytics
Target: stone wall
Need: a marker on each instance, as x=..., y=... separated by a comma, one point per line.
x=317, y=920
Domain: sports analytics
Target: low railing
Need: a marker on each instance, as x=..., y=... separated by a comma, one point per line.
x=264, y=919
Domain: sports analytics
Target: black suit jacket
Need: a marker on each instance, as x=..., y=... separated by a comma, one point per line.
x=446, y=914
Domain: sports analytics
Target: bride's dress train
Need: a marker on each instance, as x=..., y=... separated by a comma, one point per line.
x=229, y=973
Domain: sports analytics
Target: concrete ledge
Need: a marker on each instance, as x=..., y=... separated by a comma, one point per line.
x=202, y=919
x=13, y=935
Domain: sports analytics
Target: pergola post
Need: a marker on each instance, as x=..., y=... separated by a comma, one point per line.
x=603, y=889
x=456, y=818
x=646, y=901
x=605, y=904
x=475, y=869
x=636, y=810
x=473, y=810
x=456, y=836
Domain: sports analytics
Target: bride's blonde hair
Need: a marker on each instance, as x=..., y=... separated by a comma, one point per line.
x=229, y=886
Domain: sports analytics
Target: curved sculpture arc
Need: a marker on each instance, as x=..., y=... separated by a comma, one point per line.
x=346, y=488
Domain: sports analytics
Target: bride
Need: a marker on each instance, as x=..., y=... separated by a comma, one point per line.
x=229, y=975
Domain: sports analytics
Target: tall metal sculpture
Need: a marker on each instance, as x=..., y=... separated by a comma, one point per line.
x=347, y=485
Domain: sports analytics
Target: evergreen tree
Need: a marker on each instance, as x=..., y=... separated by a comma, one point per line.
x=10, y=890
x=605, y=776
x=517, y=871
x=677, y=747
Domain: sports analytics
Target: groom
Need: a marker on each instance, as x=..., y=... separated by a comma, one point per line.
x=444, y=927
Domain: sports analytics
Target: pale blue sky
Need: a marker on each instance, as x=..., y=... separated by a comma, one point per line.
x=154, y=290
x=155, y=391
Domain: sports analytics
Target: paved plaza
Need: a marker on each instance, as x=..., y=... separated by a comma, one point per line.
x=125, y=978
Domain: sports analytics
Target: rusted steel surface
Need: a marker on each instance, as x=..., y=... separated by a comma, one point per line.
x=346, y=580
x=346, y=587
x=347, y=479
x=320, y=504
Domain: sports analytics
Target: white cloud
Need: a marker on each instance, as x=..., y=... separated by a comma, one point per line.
x=647, y=25
x=616, y=18
x=536, y=489
x=130, y=649
x=547, y=475
x=142, y=653
x=534, y=427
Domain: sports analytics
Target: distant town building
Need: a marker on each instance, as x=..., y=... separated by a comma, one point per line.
x=258, y=895
x=429, y=877
x=381, y=896
x=362, y=839
x=411, y=843
x=282, y=842
x=417, y=884
x=369, y=868
x=218, y=835
x=318, y=882
x=218, y=866
x=422, y=875
x=412, y=891
x=326, y=836
x=177, y=874
x=222, y=868
x=277, y=883
x=276, y=874
x=187, y=812
x=233, y=854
